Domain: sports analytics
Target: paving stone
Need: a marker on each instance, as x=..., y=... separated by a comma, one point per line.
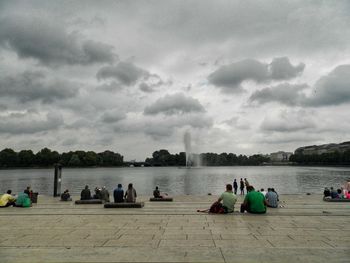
x=186, y=243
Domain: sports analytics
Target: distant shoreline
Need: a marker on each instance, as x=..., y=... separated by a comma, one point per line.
x=135, y=167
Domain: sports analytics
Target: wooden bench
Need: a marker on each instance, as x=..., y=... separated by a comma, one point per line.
x=124, y=205
x=88, y=202
x=164, y=199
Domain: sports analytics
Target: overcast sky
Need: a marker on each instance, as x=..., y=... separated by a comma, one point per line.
x=134, y=76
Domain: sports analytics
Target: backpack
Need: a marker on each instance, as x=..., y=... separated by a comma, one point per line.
x=217, y=208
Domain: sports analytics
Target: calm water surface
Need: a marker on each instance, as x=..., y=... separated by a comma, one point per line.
x=175, y=181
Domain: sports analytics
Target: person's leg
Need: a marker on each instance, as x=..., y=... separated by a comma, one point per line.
x=243, y=208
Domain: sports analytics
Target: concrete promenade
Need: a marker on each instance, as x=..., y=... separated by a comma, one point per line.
x=306, y=229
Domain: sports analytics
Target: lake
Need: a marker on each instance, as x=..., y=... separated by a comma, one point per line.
x=175, y=181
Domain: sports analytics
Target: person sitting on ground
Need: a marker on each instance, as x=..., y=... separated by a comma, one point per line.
x=85, y=193
x=66, y=196
x=228, y=199
x=118, y=194
x=130, y=194
x=104, y=194
x=271, y=198
x=156, y=193
x=347, y=196
x=273, y=190
x=262, y=190
x=254, y=202
x=334, y=193
x=340, y=194
x=326, y=193
x=23, y=200
x=97, y=194
x=7, y=199
x=28, y=191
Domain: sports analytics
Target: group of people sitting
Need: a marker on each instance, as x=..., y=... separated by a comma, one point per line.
x=331, y=193
x=22, y=199
x=100, y=193
x=255, y=202
x=103, y=194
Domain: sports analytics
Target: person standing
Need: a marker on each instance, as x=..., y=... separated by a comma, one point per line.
x=246, y=183
x=228, y=199
x=241, y=186
x=235, y=186
x=130, y=194
x=118, y=194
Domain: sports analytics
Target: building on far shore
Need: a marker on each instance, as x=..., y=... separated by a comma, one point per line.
x=324, y=148
x=280, y=156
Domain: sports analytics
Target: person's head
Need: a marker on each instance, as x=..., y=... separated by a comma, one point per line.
x=235, y=180
x=331, y=187
x=86, y=187
x=130, y=186
x=66, y=191
x=28, y=187
x=9, y=192
x=241, y=179
x=273, y=189
x=250, y=188
x=269, y=189
x=120, y=186
x=156, y=187
x=262, y=190
x=229, y=187
x=339, y=191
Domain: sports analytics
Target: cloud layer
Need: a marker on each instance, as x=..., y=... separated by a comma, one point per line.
x=230, y=77
x=133, y=77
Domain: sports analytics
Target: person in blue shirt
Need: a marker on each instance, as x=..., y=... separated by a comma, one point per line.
x=118, y=194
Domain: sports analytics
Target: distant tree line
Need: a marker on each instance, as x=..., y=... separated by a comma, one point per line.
x=334, y=158
x=164, y=158
x=47, y=158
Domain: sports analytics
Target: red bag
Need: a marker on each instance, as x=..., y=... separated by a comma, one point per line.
x=217, y=208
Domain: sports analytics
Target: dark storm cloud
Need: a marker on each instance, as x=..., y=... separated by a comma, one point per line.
x=125, y=73
x=173, y=104
x=284, y=93
x=50, y=43
x=333, y=89
x=28, y=123
x=33, y=86
x=230, y=77
x=330, y=90
x=282, y=69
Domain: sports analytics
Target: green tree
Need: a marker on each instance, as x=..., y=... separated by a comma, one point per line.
x=74, y=161
x=26, y=158
x=8, y=158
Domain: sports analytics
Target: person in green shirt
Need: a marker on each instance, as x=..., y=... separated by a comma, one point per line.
x=228, y=199
x=23, y=200
x=254, y=202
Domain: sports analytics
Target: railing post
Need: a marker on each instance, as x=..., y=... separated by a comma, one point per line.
x=57, y=180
